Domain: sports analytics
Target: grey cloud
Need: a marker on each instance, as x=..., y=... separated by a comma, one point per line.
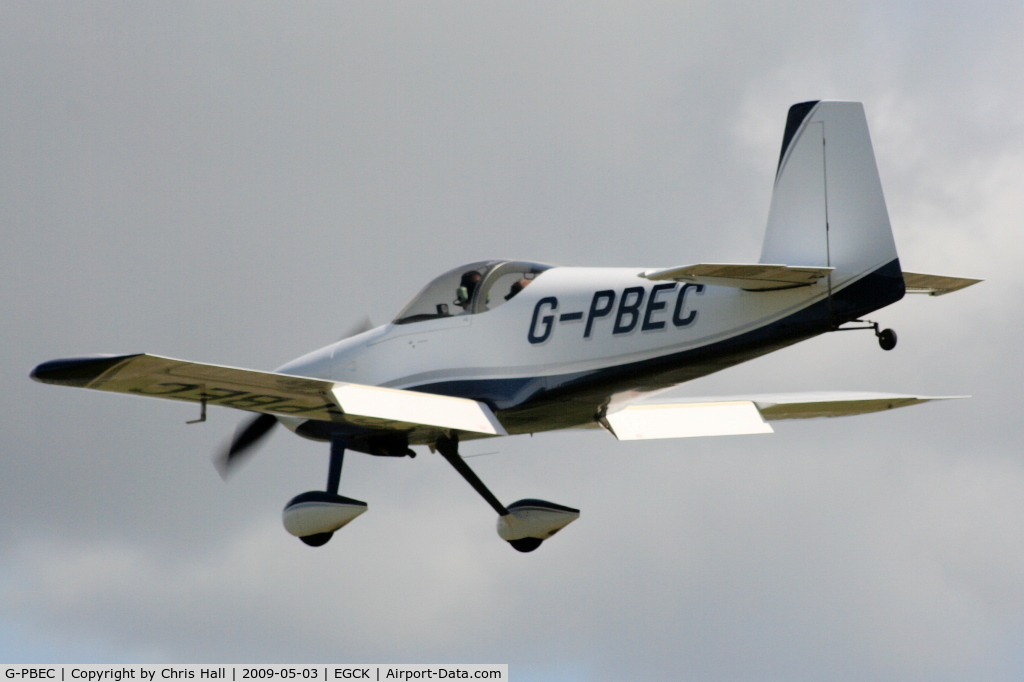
x=238, y=184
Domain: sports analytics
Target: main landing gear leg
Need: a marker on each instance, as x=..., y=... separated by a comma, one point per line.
x=314, y=516
x=334, y=467
x=448, y=446
x=524, y=524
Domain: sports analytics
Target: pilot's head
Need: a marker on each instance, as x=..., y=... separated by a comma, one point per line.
x=516, y=287
x=470, y=280
x=467, y=285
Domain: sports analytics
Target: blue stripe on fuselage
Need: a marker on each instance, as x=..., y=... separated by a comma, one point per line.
x=873, y=291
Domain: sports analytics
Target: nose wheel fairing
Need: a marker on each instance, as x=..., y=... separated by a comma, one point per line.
x=314, y=516
x=318, y=513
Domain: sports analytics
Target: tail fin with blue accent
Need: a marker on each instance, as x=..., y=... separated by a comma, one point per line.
x=828, y=209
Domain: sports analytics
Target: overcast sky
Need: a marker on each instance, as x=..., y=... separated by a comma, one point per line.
x=240, y=183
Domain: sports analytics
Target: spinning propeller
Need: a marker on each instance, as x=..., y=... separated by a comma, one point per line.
x=247, y=436
x=250, y=433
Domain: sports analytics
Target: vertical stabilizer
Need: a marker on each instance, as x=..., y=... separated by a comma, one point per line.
x=828, y=208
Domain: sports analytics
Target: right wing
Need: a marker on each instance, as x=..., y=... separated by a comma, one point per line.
x=371, y=407
x=745, y=414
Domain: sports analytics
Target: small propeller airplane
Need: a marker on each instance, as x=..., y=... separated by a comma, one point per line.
x=500, y=347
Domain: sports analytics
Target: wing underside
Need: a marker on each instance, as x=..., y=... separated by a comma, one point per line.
x=367, y=407
x=423, y=416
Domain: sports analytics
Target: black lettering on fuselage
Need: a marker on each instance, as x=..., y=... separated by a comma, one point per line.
x=630, y=313
x=599, y=309
x=629, y=308
x=548, y=321
x=677, y=314
x=654, y=305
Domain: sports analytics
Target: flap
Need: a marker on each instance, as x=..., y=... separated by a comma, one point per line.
x=935, y=285
x=686, y=420
x=736, y=415
x=749, y=276
x=373, y=406
x=270, y=392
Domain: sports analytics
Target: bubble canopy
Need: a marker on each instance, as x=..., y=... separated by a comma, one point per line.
x=470, y=289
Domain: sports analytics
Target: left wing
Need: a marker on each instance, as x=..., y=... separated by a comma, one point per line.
x=743, y=415
x=273, y=393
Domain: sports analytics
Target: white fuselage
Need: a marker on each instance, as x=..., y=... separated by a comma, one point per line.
x=568, y=322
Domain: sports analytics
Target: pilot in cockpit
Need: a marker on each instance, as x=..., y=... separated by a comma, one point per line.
x=467, y=286
x=516, y=287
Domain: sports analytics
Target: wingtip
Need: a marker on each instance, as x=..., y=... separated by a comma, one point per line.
x=79, y=372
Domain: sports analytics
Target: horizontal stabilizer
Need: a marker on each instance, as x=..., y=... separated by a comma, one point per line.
x=749, y=276
x=273, y=393
x=935, y=285
x=746, y=414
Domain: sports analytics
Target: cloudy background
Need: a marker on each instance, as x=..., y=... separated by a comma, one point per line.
x=239, y=183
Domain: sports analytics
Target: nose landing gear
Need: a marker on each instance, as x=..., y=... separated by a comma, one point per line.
x=314, y=516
